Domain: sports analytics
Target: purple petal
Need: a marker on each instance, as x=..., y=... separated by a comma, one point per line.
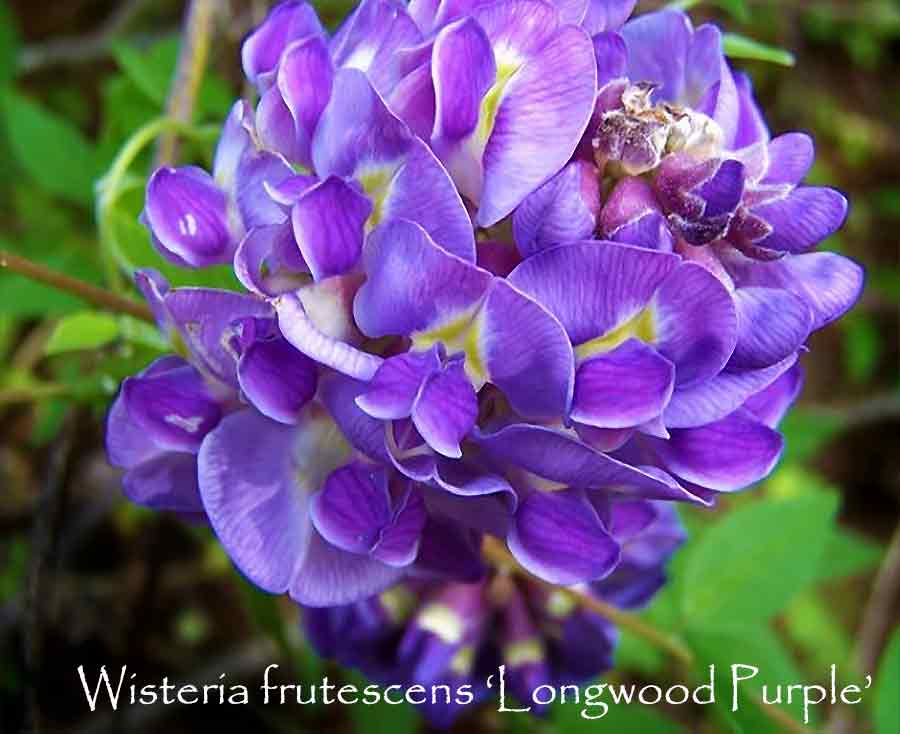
x=713, y=399
x=406, y=290
x=329, y=576
x=356, y=129
x=725, y=456
x=562, y=210
x=166, y=482
x=423, y=192
x=460, y=88
x=541, y=117
x=526, y=353
x=175, y=408
x=790, y=158
x=268, y=261
x=204, y=319
x=392, y=392
x=370, y=38
x=251, y=496
x=328, y=224
x=771, y=403
x=829, y=283
x=188, y=217
x=772, y=324
x=277, y=379
x=258, y=175
x=695, y=323
x=301, y=331
x=558, y=536
x=804, y=218
x=593, y=287
x=352, y=508
x=562, y=458
x=399, y=541
x=304, y=81
x=275, y=126
x=287, y=22
x=625, y=387
x=517, y=29
x=445, y=409
x=611, y=54
x=607, y=15
x=658, y=45
x=236, y=138
x=751, y=125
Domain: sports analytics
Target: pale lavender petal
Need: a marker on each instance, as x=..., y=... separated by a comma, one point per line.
x=658, y=46
x=406, y=290
x=790, y=158
x=541, y=117
x=625, y=387
x=275, y=126
x=517, y=28
x=268, y=261
x=236, y=138
x=695, y=323
x=558, y=537
x=445, y=409
x=300, y=330
x=562, y=210
x=751, y=126
x=592, y=287
x=328, y=221
x=250, y=495
x=772, y=324
x=725, y=456
x=259, y=173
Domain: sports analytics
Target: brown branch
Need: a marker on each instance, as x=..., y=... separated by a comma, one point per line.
x=189, y=71
x=87, y=292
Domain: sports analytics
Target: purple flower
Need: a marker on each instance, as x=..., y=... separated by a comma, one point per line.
x=455, y=634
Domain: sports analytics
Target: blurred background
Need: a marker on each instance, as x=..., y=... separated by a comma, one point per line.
x=88, y=579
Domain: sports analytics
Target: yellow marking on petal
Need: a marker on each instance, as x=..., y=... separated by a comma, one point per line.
x=443, y=622
x=398, y=602
x=490, y=103
x=319, y=449
x=560, y=604
x=462, y=662
x=523, y=652
x=376, y=182
x=462, y=334
x=641, y=326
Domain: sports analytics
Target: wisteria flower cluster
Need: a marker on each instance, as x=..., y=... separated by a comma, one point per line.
x=517, y=268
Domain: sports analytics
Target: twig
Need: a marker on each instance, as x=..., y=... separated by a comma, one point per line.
x=85, y=291
x=189, y=72
x=84, y=48
x=493, y=550
x=42, y=548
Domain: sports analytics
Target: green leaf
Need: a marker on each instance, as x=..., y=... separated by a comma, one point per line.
x=620, y=718
x=887, y=691
x=752, y=645
x=862, y=346
x=740, y=47
x=9, y=43
x=847, y=554
x=381, y=717
x=51, y=150
x=812, y=625
x=805, y=432
x=750, y=564
x=82, y=330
